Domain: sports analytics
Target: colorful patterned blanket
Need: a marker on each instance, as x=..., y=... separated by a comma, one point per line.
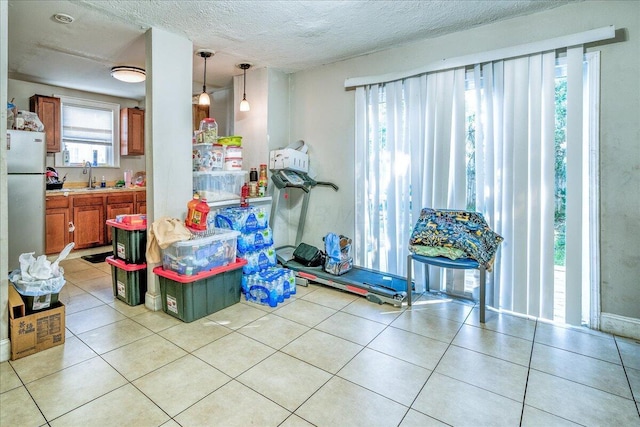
x=463, y=230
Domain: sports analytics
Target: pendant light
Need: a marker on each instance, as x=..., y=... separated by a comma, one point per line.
x=204, y=99
x=244, y=104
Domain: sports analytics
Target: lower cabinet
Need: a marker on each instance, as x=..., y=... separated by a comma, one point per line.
x=81, y=218
x=141, y=202
x=120, y=204
x=89, y=221
x=56, y=224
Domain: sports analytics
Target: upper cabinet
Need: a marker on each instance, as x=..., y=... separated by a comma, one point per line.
x=199, y=112
x=48, y=110
x=131, y=132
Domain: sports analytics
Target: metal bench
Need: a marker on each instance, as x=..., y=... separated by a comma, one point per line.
x=465, y=264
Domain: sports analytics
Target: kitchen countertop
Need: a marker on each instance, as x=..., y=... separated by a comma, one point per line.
x=97, y=190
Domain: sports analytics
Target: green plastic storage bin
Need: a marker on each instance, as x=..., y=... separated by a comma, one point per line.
x=192, y=297
x=129, y=241
x=129, y=281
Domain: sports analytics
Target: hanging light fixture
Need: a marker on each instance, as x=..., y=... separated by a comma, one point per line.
x=244, y=104
x=128, y=74
x=204, y=99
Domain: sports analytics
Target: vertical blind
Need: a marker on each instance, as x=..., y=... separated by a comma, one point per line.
x=419, y=123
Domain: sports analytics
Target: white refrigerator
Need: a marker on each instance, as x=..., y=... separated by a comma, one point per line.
x=26, y=182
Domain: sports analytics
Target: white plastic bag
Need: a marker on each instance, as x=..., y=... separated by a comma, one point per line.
x=37, y=276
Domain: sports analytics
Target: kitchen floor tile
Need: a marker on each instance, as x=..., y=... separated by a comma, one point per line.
x=458, y=403
x=352, y=328
x=92, y=318
x=125, y=406
x=422, y=322
x=174, y=387
x=74, y=386
x=322, y=358
x=392, y=378
x=234, y=405
x=191, y=336
x=274, y=331
x=416, y=419
x=342, y=403
x=596, y=373
x=322, y=350
x=332, y=298
x=305, y=312
x=502, y=346
x=490, y=373
x=113, y=336
x=593, y=407
x=143, y=356
x=417, y=349
x=291, y=382
x=578, y=341
x=52, y=360
x=19, y=409
x=234, y=353
x=8, y=378
x=381, y=313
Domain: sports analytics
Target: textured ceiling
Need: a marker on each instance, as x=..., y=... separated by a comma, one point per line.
x=286, y=35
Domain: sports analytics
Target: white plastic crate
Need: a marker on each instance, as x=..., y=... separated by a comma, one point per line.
x=194, y=256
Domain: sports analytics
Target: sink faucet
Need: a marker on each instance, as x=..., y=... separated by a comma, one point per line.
x=84, y=172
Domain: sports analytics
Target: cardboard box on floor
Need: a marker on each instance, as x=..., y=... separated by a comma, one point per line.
x=35, y=332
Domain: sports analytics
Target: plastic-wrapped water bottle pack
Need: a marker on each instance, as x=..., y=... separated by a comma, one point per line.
x=259, y=260
x=270, y=286
x=249, y=242
x=242, y=219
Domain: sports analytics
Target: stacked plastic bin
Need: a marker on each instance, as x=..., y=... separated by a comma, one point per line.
x=128, y=263
x=263, y=282
x=200, y=276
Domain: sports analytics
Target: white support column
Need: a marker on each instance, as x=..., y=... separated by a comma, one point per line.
x=168, y=122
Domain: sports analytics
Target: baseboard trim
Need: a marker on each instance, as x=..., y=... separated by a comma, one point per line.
x=620, y=325
x=5, y=350
x=153, y=302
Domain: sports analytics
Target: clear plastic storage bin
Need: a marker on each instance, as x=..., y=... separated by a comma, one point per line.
x=219, y=185
x=191, y=257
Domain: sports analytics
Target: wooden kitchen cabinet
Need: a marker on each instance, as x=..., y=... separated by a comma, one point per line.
x=199, y=112
x=141, y=202
x=119, y=204
x=89, y=221
x=131, y=132
x=48, y=110
x=56, y=224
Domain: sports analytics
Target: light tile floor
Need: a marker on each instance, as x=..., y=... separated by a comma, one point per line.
x=323, y=358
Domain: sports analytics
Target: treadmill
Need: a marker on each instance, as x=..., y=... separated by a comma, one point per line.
x=375, y=286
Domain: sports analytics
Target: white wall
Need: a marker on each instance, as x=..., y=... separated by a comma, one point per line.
x=322, y=113
x=4, y=265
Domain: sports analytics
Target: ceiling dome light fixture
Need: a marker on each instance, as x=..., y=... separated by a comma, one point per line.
x=63, y=18
x=244, y=104
x=128, y=74
x=204, y=98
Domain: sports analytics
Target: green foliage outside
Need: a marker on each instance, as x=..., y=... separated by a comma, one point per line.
x=560, y=168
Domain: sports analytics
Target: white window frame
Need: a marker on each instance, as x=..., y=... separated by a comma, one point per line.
x=115, y=108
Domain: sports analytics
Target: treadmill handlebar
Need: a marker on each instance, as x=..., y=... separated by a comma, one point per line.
x=306, y=184
x=327, y=184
